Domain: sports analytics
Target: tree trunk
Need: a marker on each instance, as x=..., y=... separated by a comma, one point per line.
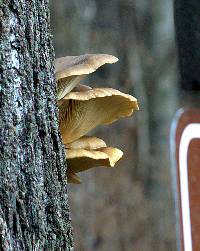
x=34, y=211
x=188, y=40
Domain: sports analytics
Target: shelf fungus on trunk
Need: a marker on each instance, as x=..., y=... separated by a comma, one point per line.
x=80, y=112
x=88, y=152
x=80, y=159
x=83, y=109
x=70, y=70
x=86, y=142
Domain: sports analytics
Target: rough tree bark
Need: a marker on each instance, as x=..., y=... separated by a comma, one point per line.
x=34, y=211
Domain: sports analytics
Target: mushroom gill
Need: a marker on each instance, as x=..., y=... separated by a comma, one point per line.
x=80, y=112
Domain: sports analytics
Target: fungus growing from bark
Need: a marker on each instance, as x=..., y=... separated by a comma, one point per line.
x=80, y=112
x=80, y=160
x=86, y=142
x=71, y=70
x=88, y=152
x=84, y=108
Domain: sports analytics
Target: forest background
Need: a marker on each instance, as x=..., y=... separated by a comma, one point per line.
x=131, y=206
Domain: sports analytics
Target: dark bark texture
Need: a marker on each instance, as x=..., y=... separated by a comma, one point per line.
x=34, y=211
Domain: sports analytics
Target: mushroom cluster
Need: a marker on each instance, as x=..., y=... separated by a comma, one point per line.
x=82, y=108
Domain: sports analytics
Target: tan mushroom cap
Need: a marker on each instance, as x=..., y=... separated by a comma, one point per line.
x=83, y=111
x=86, y=142
x=80, y=159
x=81, y=65
x=71, y=70
x=114, y=154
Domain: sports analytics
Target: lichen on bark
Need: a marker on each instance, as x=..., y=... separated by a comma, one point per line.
x=34, y=211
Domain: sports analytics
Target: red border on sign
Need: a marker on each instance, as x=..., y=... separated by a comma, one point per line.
x=183, y=119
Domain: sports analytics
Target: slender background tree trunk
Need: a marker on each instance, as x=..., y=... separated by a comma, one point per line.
x=34, y=212
x=187, y=14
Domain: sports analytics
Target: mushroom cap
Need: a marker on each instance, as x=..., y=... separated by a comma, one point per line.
x=71, y=70
x=80, y=112
x=114, y=154
x=81, y=65
x=80, y=159
x=86, y=142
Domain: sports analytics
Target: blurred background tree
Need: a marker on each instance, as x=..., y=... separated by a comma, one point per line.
x=129, y=207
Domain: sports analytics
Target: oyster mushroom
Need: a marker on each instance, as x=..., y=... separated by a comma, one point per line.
x=80, y=112
x=80, y=159
x=71, y=70
x=88, y=152
x=86, y=142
